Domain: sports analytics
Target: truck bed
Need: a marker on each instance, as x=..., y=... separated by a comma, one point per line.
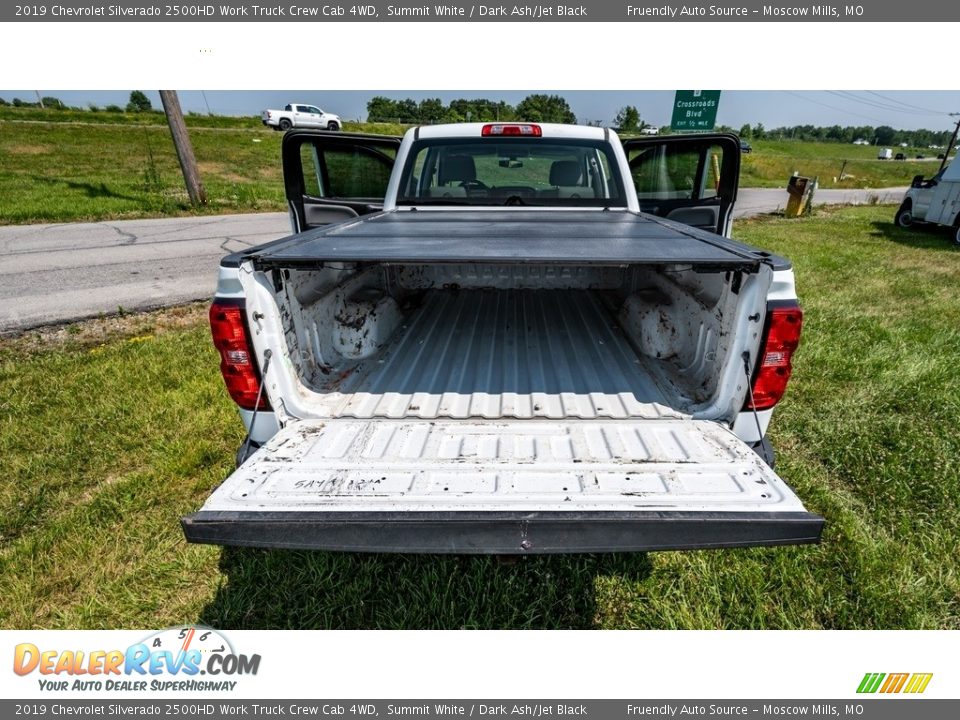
x=507, y=354
x=615, y=237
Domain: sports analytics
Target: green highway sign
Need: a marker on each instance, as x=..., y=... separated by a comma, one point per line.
x=695, y=110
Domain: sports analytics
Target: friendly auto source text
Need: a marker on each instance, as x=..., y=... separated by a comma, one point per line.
x=672, y=11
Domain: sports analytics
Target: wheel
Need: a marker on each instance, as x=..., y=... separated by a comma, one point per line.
x=285, y=124
x=956, y=234
x=904, y=216
x=332, y=126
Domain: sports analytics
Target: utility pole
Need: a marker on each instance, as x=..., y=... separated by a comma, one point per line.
x=953, y=141
x=181, y=141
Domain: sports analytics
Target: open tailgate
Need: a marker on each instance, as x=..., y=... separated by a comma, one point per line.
x=503, y=487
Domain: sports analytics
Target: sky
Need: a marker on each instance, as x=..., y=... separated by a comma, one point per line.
x=907, y=110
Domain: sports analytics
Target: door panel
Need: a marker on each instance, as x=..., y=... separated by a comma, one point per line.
x=332, y=176
x=939, y=203
x=691, y=179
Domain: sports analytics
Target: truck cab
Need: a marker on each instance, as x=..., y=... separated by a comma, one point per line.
x=934, y=200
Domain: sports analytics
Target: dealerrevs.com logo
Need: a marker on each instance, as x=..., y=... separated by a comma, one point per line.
x=172, y=659
x=889, y=683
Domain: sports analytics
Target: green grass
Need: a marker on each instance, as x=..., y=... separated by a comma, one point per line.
x=64, y=171
x=772, y=162
x=102, y=117
x=110, y=430
x=70, y=165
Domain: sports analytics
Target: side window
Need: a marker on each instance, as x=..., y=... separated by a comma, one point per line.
x=309, y=163
x=355, y=172
x=711, y=175
x=676, y=173
x=660, y=172
x=345, y=172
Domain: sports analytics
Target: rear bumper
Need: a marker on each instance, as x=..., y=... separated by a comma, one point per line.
x=506, y=533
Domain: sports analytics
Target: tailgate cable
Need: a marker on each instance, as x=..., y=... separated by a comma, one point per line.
x=267, y=354
x=753, y=407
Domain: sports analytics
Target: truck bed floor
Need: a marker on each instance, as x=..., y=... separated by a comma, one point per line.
x=506, y=354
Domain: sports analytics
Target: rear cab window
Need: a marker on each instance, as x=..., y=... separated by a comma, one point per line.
x=511, y=171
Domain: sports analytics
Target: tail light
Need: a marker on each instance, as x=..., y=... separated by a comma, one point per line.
x=238, y=365
x=780, y=340
x=502, y=129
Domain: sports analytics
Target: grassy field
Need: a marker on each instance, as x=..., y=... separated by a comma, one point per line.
x=103, y=117
x=112, y=429
x=772, y=162
x=63, y=166
x=64, y=171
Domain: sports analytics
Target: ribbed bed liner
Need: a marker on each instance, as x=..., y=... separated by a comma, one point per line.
x=506, y=354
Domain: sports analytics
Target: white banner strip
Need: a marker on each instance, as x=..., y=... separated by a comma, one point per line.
x=456, y=664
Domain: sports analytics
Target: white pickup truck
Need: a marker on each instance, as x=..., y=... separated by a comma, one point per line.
x=299, y=115
x=506, y=338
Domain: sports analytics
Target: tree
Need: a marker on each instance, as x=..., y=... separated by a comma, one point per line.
x=139, y=102
x=407, y=111
x=628, y=119
x=885, y=135
x=432, y=110
x=746, y=131
x=381, y=109
x=759, y=132
x=545, y=108
x=479, y=110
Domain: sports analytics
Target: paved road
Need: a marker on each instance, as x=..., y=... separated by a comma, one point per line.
x=55, y=273
x=759, y=201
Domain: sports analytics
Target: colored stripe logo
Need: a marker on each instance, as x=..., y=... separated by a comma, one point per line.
x=913, y=683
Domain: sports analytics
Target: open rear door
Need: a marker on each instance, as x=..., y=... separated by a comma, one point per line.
x=505, y=487
x=691, y=179
x=330, y=177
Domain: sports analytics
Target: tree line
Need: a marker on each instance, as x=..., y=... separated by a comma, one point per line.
x=139, y=102
x=533, y=108
x=882, y=135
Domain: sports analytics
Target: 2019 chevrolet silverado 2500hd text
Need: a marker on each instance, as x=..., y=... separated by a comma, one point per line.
x=506, y=338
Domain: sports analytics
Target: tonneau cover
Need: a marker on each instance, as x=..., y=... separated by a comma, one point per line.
x=607, y=237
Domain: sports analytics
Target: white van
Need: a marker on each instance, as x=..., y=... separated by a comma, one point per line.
x=935, y=201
